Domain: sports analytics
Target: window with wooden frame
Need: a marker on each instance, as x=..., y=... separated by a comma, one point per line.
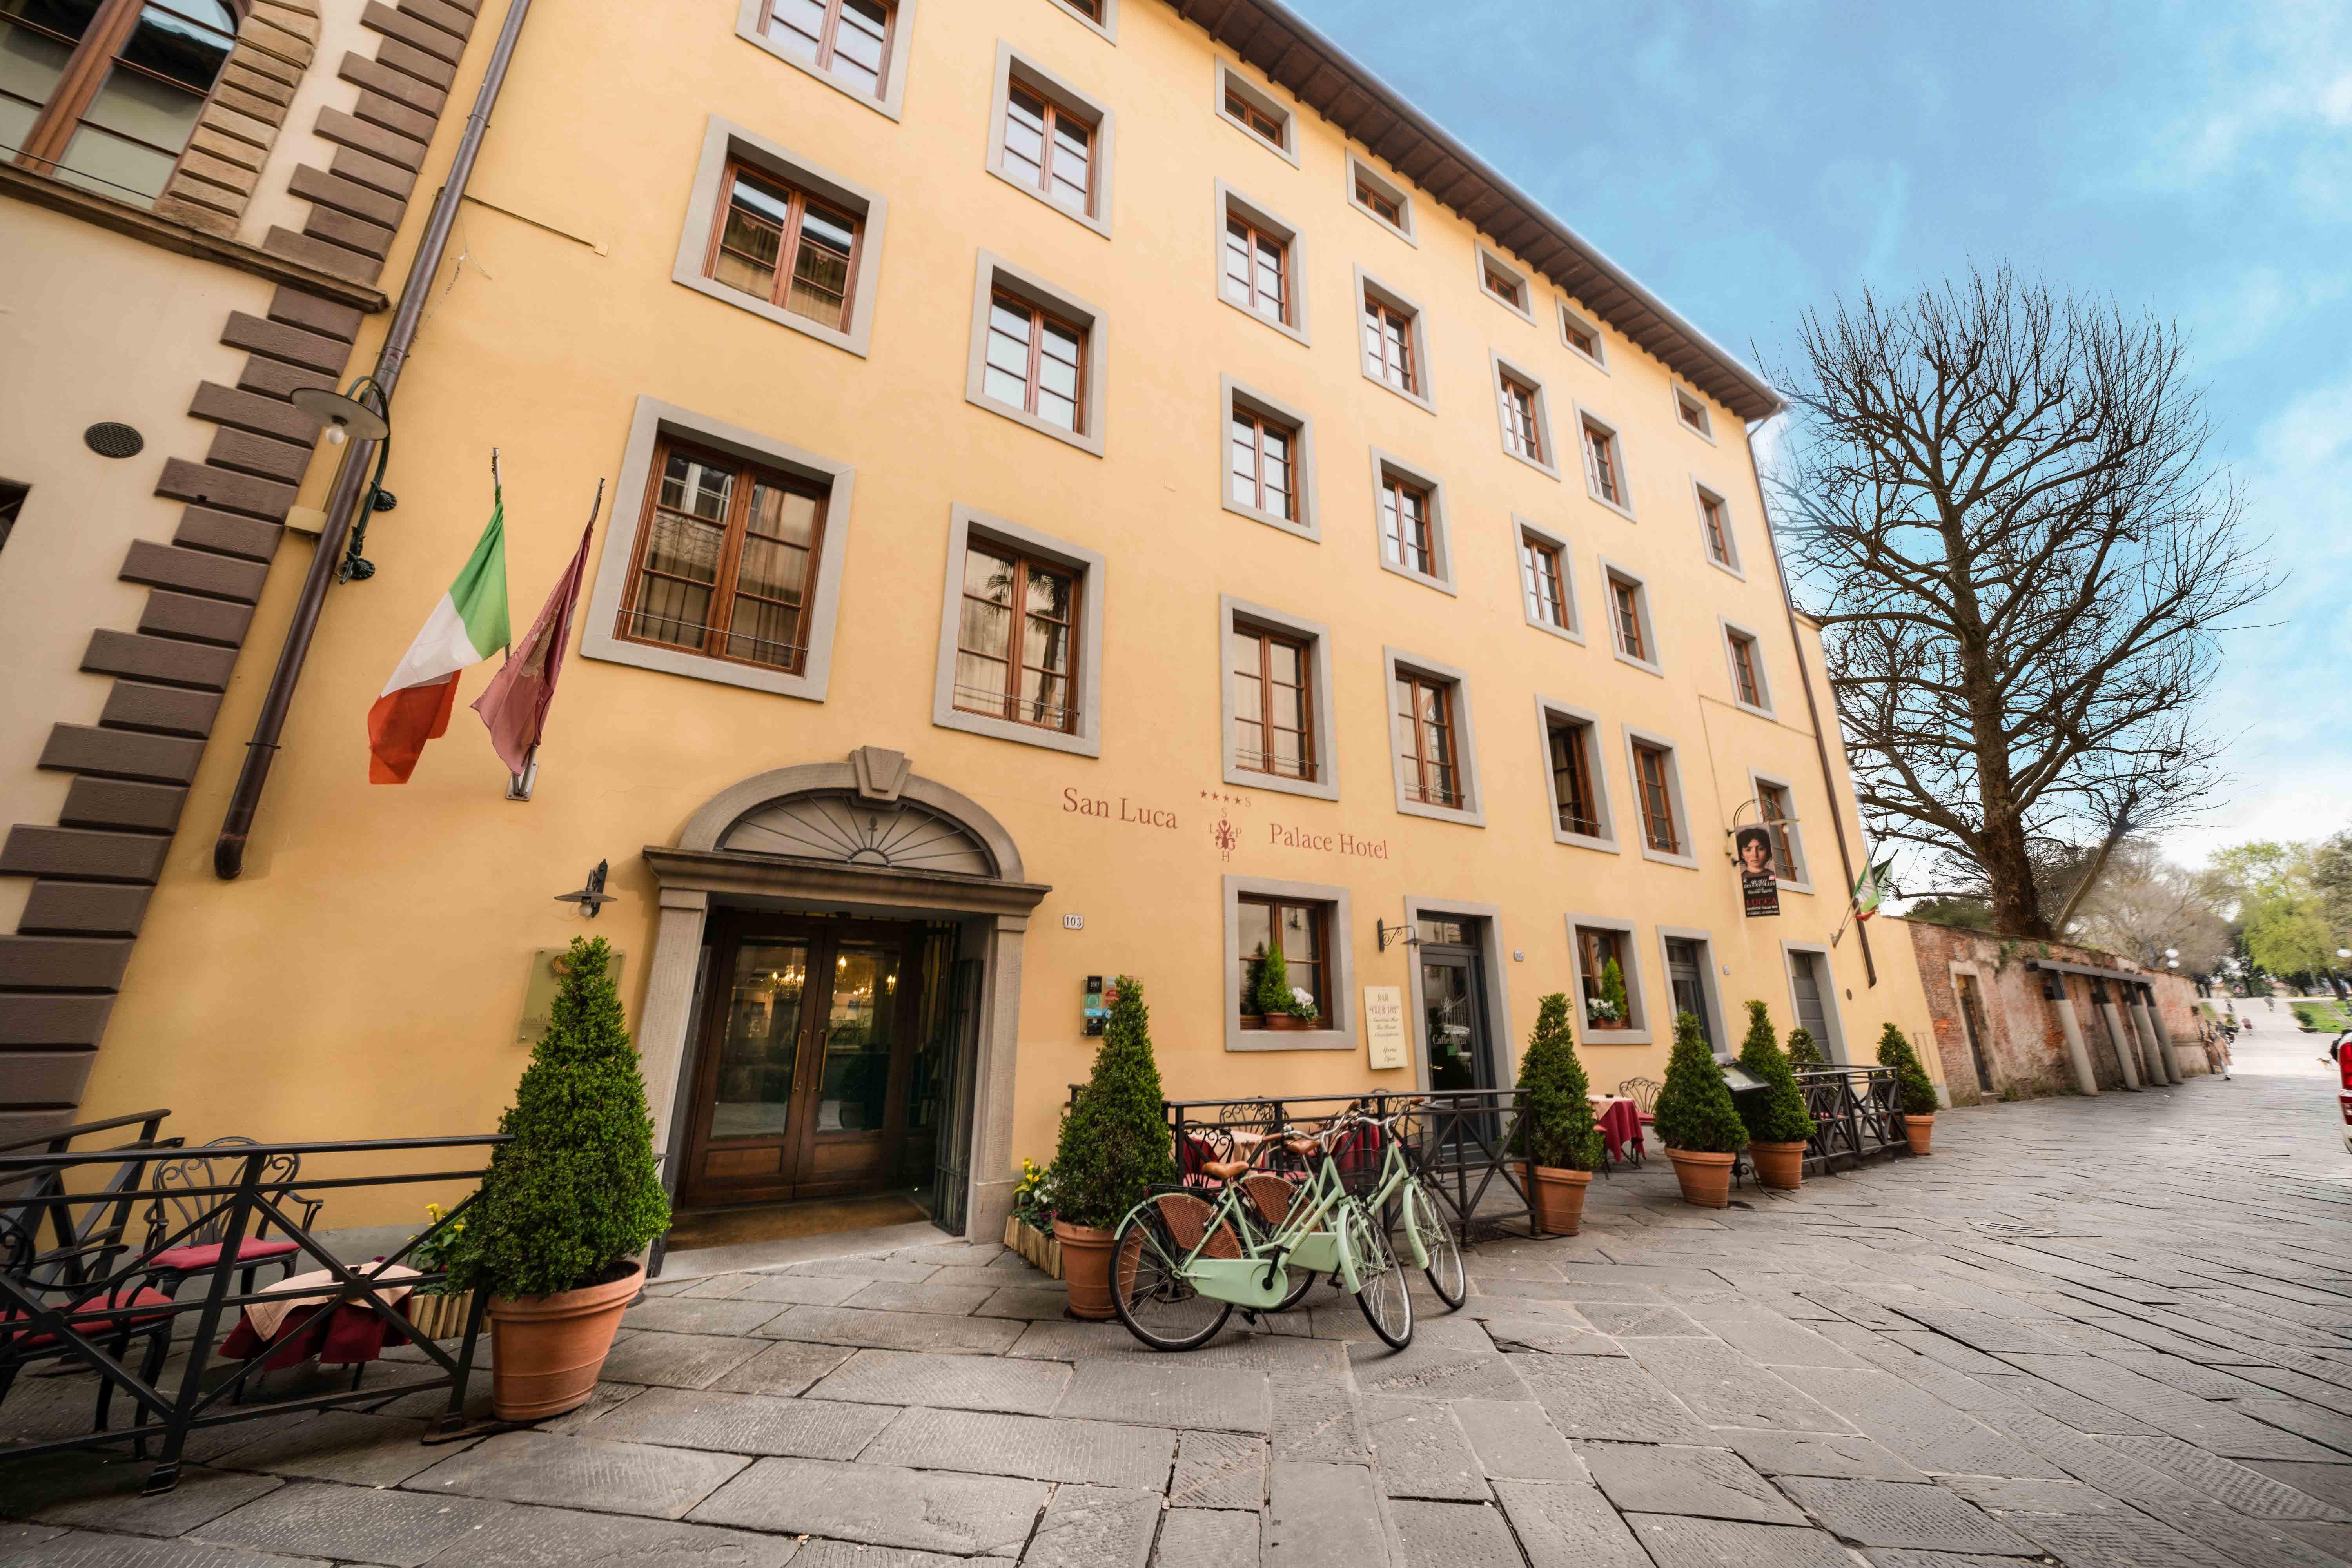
x=1049, y=147
x=1715, y=524
x=1090, y=10
x=1603, y=462
x=1652, y=784
x=1746, y=684
x=1544, y=580
x=1256, y=268
x=1693, y=414
x=1510, y=290
x=1387, y=345
x=1374, y=196
x=776, y=243
x=1625, y=618
x=1522, y=424
x=1263, y=463
x=1016, y=639
x=849, y=40
x=1407, y=538
x=724, y=560
x=1274, y=704
x=105, y=94
x=1596, y=950
x=1572, y=777
x=1388, y=211
x=1428, y=761
x=1298, y=930
x=1580, y=335
x=1253, y=117
x=1779, y=816
x=1036, y=361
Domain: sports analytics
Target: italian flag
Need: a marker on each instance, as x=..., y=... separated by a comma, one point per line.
x=466, y=628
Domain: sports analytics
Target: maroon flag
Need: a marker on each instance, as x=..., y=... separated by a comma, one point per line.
x=514, y=705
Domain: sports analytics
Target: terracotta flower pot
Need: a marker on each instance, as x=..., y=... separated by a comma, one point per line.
x=1085, y=1265
x=1919, y=1131
x=547, y=1350
x=1705, y=1178
x=1559, y=1198
x=1779, y=1165
x=1285, y=1023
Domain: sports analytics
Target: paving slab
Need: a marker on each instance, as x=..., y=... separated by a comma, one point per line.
x=1453, y=1359
x=1674, y=1542
x=1164, y=1392
x=1513, y=1332
x=1315, y=1415
x=1922, y=1430
x=81, y=1549
x=2328, y=1483
x=2121, y=1539
x=68, y=1489
x=584, y=1473
x=361, y=1524
x=677, y=1361
x=745, y=1424
x=2247, y=1491
x=881, y=1505
x=784, y=1369
x=1708, y=1483
x=1724, y=1388
x=1092, y=1453
x=2208, y=1425
x=1418, y=1451
x=1607, y=1399
x=1219, y=1470
x=339, y=1446
x=1323, y=1516
x=1818, y=1454
x=2000, y=1496
x=1769, y=1340
x=1640, y=1320
x=2325, y=1427
x=853, y=1554
x=2064, y=1405
x=565, y=1538
x=929, y=1295
x=698, y=1315
x=949, y=1382
x=1515, y=1441
x=934, y=1332
x=1569, y=1525
x=795, y=1289
x=1027, y=1303
x=1094, y=1527
x=1453, y=1535
x=1207, y=1538
x=1068, y=1340
x=1898, y=1513
x=909, y=1270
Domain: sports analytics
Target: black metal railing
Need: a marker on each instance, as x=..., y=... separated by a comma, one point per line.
x=86, y=1298
x=1855, y=1114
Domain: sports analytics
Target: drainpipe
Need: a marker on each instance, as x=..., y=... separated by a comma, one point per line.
x=2054, y=990
x=1812, y=707
x=2162, y=1069
x=2126, y=1046
x=359, y=457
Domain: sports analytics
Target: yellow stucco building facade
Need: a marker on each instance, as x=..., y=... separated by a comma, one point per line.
x=1088, y=489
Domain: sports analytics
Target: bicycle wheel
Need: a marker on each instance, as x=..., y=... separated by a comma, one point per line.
x=1152, y=1297
x=1446, y=1275
x=1387, y=1304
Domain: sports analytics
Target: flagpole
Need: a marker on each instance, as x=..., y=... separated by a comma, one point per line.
x=520, y=785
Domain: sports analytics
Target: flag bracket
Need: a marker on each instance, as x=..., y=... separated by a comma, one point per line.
x=518, y=786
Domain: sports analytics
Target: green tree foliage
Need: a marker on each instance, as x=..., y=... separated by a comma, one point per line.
x=575, y=1195
x=1115, y=1140
x=1613, y=988
x=1948, y=909
x=1694, y=1112
x=1804, y=1052
x=1778, y=1114
x=1555, y=1126
x=2283, y=894
x=1915, y=1091
x=1271, y=993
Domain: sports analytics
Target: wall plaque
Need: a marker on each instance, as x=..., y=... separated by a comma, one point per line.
x=1384, y=1026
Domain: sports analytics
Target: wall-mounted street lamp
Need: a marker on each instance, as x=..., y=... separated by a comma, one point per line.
x=593, y=896
x=1389, y=934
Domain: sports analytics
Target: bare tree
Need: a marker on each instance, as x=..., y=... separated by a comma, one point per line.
x=2002, y=502
x=2144, y=907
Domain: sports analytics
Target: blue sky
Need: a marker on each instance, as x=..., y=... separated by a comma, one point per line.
x=1748, y=159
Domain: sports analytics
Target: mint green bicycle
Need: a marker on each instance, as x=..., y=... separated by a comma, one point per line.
x=1181, y=1264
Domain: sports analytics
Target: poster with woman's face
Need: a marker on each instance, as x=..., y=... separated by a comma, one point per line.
x=1759, y=879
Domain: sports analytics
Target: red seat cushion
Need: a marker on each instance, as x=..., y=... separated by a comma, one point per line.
x=249, y=1250
x=87, y=1313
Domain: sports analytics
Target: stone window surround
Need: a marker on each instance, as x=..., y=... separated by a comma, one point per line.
x=1488, y=256
x=1107, y=28
x=1471, y=812
x=1616, y=438
x=1636, y=1006
x=1729, y=628
x=1013, y=64
x=1546, y=709
x=1599, y=360
x=651, y=420
x=1229, y=77
x=1231, y=202
x=1804, y=881
x=1086, y=740
x=1609, y=572
x=1700, y=495
x=722, y=139
x=1676, y=796
x=1232, y=394
x=1359, y=167
x=1834, y=1047
x=1705, y=428
x=994, y=272
x=1425, y=399
x=1718, y=1026
x=751, y=14
x=1573, y=632
x=1441, y=539
x=1320, y=722
x=1339, y=960
x=1498, y=366
x=1500, y=1035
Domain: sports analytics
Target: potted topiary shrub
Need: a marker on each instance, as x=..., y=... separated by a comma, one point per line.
x=566, y=1207
x=1115, y=1147
x=1915, y=1091
x=1803, y=1054
x=1778, y=1122
x=1696, y=1119
x=1275, y=999
x=1555, y=1133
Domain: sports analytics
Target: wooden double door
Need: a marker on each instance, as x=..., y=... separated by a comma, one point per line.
x=806, y=1045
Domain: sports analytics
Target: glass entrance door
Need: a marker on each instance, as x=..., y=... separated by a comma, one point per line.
x=1453, y=1030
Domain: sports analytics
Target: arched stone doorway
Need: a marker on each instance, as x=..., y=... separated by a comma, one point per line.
x=834, y=1001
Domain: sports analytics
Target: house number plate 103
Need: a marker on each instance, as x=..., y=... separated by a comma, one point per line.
x=1074, y=922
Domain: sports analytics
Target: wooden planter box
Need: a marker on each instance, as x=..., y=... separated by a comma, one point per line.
x=1039, y=1247
x=439, y=1317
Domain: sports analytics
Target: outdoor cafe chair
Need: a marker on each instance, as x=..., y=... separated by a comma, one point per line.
x=113, y=1312
x=195, y=1223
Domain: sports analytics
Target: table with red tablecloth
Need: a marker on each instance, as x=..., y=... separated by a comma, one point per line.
x=1621, y=1125
x=353, y=1332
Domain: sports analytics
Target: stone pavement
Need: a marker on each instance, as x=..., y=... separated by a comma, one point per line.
x=2096, y=1332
